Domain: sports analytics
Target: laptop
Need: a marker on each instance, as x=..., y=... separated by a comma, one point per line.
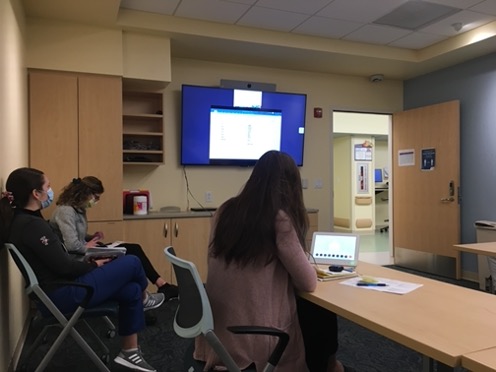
x=335, y=249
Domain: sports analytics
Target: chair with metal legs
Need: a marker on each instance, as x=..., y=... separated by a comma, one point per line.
x=65, y=321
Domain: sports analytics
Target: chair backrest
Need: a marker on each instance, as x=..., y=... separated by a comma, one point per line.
x=33, y=288
x=194, y=314
x=24, y=267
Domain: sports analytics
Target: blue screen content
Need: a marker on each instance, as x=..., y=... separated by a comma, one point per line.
x=378, y=175
x=215, y=132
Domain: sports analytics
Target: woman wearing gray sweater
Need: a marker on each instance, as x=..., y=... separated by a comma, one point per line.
x=69, y=221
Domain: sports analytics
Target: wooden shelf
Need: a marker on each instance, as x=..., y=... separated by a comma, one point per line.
x=143, y=116
x=142, y=128
x=142, y=134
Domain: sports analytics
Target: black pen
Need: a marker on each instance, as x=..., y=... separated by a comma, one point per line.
x=362, y=284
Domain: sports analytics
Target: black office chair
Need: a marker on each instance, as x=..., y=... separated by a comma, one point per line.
x=65, y=321
x=194, y=317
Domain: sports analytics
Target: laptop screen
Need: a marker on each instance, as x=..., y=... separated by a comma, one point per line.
x=332, y=248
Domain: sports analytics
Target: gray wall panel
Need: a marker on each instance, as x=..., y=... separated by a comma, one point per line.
x=473, y=83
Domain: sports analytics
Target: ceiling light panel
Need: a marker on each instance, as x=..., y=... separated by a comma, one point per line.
x=363, y=11
x=414, y=15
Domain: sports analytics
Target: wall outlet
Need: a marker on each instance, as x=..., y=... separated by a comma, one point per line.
x=318, y=184
x=208, y=197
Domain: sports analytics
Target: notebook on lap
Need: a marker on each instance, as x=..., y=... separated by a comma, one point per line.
x=335, y=249
x=98, y=253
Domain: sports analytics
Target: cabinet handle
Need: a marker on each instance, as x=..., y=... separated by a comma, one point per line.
x=166, y=230
x=176, y=229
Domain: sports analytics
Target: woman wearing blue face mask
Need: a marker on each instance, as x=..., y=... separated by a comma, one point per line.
x=48, y=201
x=122, y=280
x=70, y=223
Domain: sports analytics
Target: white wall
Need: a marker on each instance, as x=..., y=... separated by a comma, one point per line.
x=167, y=183
x=13, y=154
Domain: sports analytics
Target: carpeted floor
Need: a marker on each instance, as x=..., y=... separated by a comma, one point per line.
x=359, y=348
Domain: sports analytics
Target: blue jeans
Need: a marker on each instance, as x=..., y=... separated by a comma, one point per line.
x=122, y=280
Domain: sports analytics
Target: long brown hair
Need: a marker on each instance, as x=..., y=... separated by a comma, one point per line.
x=245, y=231
x=79, y=190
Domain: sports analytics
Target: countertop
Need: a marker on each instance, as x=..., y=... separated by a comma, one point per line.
x=162, y=215
x=181, y=214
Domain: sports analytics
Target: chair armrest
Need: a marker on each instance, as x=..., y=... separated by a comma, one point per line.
x=269, y=331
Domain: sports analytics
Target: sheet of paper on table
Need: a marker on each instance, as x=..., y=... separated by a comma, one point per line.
x=391, y=286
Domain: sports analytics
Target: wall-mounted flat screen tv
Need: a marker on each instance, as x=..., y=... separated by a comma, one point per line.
x=223, y=126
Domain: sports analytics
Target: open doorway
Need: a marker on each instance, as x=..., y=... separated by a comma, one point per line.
x=361, y=181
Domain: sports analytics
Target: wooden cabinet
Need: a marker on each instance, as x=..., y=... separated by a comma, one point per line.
x=75, y=131
x=189, y=237
x=143, y=128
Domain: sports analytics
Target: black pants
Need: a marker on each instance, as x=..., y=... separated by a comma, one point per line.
x=320, y=334
x=136, y=250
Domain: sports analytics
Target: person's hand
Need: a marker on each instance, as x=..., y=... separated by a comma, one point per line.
x=92, y=243
x=102, y=262
x=98, y=235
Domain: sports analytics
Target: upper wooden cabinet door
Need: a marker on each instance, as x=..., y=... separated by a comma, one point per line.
x=75, y=130
x=53, y=127
x=100, y=140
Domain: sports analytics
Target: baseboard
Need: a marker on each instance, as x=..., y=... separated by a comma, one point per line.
x=470, y=276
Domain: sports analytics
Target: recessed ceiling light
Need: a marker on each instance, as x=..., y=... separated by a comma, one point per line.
x=414, y=15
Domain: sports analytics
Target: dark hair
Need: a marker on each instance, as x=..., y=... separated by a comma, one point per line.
x=245, y=231
x=78, y=191
x=20, y=184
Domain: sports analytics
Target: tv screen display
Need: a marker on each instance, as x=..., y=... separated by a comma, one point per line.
x=222, y=126
x=378, y=175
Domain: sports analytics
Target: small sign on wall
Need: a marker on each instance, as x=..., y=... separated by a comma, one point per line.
x=406, y=158
x=363, y=151
x=428, y=159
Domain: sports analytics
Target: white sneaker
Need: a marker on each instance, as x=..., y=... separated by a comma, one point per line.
x=153, y=300
x=133, y=360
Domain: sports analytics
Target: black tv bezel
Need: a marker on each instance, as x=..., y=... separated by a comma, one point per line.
x=236, y=162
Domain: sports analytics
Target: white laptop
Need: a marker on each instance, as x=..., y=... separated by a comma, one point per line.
x=337, y=249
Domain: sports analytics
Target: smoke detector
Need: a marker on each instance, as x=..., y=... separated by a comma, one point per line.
x=376, y=78
x=457, y=26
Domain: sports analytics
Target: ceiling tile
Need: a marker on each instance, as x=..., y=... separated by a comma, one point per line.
x=470, y=20
x=271, y=19
x=488, y=6
x=417, y=40
x=247, y=2
x=327, y=27
x=211, y=10
x=151, y=6
x=298, y=6
x=460, y=4
x=376, y=34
